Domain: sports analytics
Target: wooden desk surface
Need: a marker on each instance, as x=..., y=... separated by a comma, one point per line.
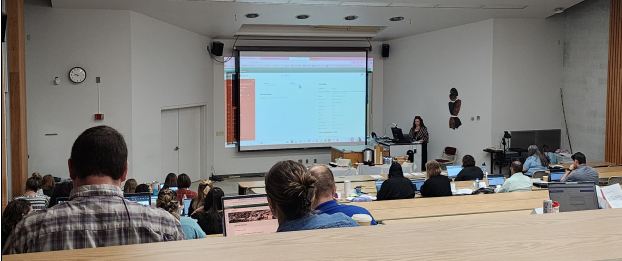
x=591, y=164
x=609, y=169
x=568, y=236
x=460, y=218
x=453, y=200
x=455, y=209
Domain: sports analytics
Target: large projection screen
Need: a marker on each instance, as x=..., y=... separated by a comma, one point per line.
x=292, y=100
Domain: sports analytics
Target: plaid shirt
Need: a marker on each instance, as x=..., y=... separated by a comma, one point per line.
x=95, y=216
x=189, y=194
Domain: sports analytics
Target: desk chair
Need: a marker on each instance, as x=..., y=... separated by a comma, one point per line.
x=449, y=156
x=614, y=180
x=539, y=174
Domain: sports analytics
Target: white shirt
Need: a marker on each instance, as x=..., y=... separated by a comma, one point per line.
x=517, y=182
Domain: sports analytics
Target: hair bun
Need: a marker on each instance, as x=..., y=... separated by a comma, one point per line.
x=36, y=175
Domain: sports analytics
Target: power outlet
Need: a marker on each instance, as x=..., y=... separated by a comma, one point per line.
x=220, y=133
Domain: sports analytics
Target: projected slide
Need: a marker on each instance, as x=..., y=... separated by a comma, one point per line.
x=297, y=100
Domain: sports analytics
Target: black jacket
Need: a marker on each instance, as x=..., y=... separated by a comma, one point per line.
x=437, y=186
x=470, y=173
x=396, y=188
x=208, y=222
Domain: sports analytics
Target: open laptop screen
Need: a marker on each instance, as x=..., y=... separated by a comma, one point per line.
x=418, y=183
x=495, y=180
x=187, y=203
x=556, y=176
x=379, y=184
x=142, y=198
x=453, y=170
x=574, y=196
x=247, y=215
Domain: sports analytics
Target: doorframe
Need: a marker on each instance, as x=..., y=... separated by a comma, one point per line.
x=203, y=133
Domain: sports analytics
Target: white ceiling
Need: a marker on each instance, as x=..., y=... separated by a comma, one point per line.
x=217, y=19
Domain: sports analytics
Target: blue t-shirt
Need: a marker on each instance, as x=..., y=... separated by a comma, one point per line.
x=191, y=228
x=332, y=207
x=533, y=164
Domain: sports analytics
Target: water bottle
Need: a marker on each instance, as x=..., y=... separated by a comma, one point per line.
x=476, y=184
x=155, y=187
x=484, y=170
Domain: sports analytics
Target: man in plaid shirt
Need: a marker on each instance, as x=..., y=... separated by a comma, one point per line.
x=96, y=214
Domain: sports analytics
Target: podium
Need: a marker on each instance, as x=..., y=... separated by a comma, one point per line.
x=400, y=149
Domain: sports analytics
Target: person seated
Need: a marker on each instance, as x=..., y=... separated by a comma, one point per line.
x=130, y=186
x=517, y=182
x=62, y=190
x=48, y=185
x=291, y=193
x=96, y=207
x=183, y=183
x=210, y=220
x=578, y=171
x=325, y=190
x=167, y=200
x=469, y=170
x=33, y=184
x=435, y=185
x=14, y=212
x=142, y=188
x=535, y=161
x=397, y=186
x=204, y=187
x=170, y=181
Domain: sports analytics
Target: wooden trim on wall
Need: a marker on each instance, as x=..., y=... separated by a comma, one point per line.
x=613, y=140
x=16, y=35
x=3, y=161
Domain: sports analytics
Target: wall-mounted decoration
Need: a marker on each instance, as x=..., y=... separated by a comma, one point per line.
x=454, y=109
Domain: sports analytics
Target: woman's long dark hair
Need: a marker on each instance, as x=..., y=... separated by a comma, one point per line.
x=13, y=213
x=421, y=124
x=213, y=206
x=396, y=171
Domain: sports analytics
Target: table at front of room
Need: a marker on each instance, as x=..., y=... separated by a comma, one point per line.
x=382, y=169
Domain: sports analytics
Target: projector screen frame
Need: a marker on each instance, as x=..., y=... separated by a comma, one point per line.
x=236, y=83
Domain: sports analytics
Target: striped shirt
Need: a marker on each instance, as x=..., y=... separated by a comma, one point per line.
x=37, y=202
x=94, y=216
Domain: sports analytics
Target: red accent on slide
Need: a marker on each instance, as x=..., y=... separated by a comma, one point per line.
x=247, y=109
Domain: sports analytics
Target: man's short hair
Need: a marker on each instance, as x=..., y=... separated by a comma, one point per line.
x=325, y=184
x=580, y=157
x=517, y=166
x=99, y=151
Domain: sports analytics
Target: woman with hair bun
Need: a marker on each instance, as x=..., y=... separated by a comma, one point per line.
x=167, y=200
x=291, y=192
x=33, y=184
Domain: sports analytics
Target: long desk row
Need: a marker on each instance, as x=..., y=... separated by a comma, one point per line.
x=582, y=235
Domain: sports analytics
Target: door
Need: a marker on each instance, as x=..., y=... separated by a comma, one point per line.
x=181, y=142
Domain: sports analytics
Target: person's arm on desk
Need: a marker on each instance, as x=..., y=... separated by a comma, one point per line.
x=569, y=171
x=501, y=189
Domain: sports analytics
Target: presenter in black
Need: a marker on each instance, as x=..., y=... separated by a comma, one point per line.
x=419, y=133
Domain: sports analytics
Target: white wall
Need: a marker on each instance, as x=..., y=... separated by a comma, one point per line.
x=170, y=69
x=420, y=73
x=229, y=161
x=99, y=42
x=527, y=75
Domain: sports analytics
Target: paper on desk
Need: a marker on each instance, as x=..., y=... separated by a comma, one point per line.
x=464, y=192
x=613, y=195
x=482, y=184
x=376, y=176
x=418, y=174
x=453, y=188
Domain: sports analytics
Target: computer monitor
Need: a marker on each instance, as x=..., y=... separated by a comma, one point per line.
x=453, y=170
x=495, y=180
x=418, y=183
x=142, y=198
x=556, y=176
x=61, y=200
x=574, y=196
x=399, y=136
x=173, y=188
x=379, y=184
x=247, y=215
x=187, y=203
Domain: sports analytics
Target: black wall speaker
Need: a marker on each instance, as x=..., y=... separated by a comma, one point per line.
x=385, y=50
x=3, y=25
x=217, y=48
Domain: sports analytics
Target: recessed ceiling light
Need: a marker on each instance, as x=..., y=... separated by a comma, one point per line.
x=302, y=16
x=397, y=18
x=351, y=17
x=559, y=10
x=251, y=15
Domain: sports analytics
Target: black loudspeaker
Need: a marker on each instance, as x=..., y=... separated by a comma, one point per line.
x=385, y=50
x=217, y=48
x=3, y=25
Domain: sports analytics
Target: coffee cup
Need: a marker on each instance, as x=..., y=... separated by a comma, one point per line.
x=362, y=219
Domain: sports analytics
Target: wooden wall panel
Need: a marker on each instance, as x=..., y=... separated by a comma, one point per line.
x=613, y=142
x=3, y=162
x=17, y=89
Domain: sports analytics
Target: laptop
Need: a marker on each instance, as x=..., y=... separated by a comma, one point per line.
x=142, y=198
x=556, y=174
x=379, y=184
x=399, y=137
x=453, y=170
x=496, y=180
x=187, y=203
x=247, y=215
x=418, y=183
x=574, y=196
x=61, y=200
